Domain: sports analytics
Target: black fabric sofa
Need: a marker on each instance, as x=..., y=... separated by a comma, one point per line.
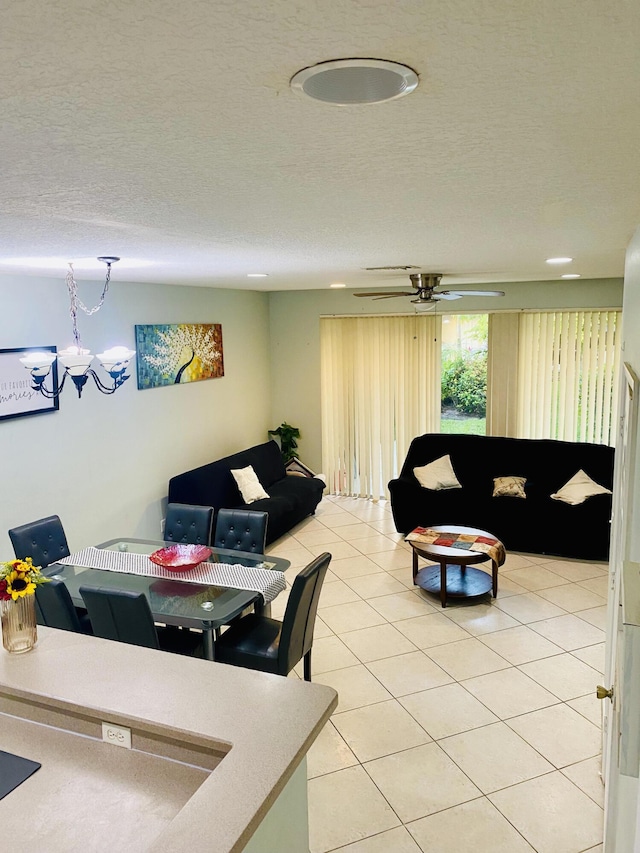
x=290, y=498
x=537, y=524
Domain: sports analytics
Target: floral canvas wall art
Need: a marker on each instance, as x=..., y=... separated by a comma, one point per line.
x=175, y=353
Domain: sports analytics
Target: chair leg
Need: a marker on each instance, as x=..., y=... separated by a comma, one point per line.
x=307, y=666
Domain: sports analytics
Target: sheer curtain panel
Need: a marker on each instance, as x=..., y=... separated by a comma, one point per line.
x=380, y=380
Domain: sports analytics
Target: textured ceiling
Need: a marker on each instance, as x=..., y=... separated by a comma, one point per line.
x=167, y=133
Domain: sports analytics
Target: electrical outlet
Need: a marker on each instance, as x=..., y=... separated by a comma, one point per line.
x=117, y=735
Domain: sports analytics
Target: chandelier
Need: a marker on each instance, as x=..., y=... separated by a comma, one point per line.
x=75, y=359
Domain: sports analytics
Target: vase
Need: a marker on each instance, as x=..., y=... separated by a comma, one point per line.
x=19, y=629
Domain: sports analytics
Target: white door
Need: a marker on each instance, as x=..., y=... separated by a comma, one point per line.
x=622, y=669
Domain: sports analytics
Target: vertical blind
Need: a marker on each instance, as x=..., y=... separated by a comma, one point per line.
x=568, y=366
x=380, y=385
x=502, y=374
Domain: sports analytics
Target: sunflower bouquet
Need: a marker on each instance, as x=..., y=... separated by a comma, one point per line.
x=19, y=578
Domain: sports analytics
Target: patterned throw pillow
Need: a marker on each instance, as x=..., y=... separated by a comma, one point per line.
x=511, y=487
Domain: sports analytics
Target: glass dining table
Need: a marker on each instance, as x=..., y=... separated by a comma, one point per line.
x=174, y=601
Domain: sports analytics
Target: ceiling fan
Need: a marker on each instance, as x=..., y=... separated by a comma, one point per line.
x=425, y=292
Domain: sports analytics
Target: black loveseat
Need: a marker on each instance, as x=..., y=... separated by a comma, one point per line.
x=537, y=524
x=290, y=498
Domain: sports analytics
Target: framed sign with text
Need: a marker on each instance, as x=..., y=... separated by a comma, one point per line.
x=17, y=397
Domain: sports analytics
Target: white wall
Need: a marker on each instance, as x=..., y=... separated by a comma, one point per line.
x=295, y=337
x=631, y=355
x=102, y=463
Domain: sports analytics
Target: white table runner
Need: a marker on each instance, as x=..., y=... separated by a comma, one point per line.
x=268, y=583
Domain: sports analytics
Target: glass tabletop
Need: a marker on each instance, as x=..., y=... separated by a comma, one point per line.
x=174, y=602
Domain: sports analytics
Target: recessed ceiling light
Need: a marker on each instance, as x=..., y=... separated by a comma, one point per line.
x=257, y=275
x=355, y=81
x=337, y=285
x=559, y=260
x=571, y=275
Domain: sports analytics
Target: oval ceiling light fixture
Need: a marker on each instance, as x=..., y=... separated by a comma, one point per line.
x=571, y=275
x=558, y=260
x=257, y=275
x=337, y=284
x=355, y=81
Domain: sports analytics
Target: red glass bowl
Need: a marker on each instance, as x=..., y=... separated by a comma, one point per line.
x=180, y=557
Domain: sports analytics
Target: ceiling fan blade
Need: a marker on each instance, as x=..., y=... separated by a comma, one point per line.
x=447, y=294
x=459, y=293
x=383, y=295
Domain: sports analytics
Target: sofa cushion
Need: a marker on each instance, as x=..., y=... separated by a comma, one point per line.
x=266, y=461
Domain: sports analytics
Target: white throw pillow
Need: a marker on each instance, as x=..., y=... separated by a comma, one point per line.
x=437, y=475
x=249, y=484
x=579, y=488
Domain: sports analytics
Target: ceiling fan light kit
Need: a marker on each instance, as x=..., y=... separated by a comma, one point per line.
x=355, y=81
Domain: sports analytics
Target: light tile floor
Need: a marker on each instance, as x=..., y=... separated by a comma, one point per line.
x=473, y=728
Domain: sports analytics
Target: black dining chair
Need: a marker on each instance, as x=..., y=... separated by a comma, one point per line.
x=241, y=530
x=265, y=644
x=43, y=540
x=188, y=523
x=125, y=616
x=54, y=608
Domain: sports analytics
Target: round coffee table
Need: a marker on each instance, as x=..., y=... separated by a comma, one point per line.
x=452, y=577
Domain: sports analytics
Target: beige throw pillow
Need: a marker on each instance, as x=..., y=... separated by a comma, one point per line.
x=437, y=475
x=510, y=487
x=249, y=484
x=579, y=488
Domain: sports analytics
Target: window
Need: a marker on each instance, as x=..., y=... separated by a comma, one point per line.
x=464, y=373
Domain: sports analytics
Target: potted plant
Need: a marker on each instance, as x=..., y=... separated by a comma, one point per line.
x=288, y=444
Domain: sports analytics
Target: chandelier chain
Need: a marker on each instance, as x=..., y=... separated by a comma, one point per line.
x=76, y=302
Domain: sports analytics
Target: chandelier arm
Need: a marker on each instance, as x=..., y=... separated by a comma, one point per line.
x=38, y=385
x=106, y=389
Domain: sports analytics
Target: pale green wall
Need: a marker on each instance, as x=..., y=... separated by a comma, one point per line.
x=103, y=462
x=295, y=337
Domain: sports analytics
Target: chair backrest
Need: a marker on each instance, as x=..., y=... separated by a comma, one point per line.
x=42, y=540
x=54, y=607
x=120, y=615
x=296, y=637
x=241, y=530
x=188, y=523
